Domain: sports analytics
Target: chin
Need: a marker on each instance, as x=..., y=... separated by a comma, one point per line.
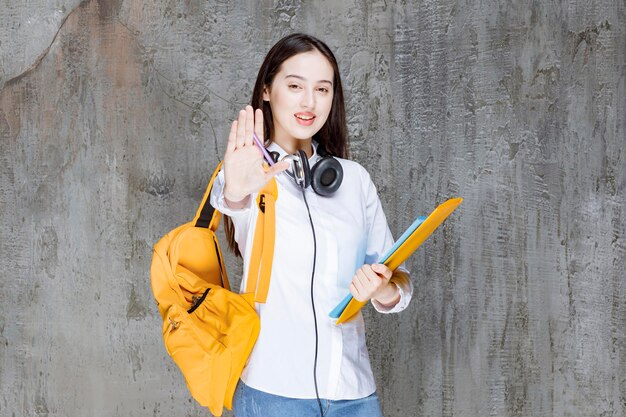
x=304, y=134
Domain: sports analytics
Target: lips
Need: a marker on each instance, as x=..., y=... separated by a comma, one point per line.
x=305, y=119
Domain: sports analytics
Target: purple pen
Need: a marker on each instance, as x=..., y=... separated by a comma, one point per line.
x=267, y=156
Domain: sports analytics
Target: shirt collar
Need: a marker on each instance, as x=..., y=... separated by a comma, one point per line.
x=274, y=147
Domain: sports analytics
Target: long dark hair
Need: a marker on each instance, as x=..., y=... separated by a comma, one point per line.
x=333, y=136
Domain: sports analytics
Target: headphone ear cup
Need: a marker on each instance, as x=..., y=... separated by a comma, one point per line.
x=326, y=176
x=306, y=169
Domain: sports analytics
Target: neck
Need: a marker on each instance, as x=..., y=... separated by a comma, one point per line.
x=292, y=146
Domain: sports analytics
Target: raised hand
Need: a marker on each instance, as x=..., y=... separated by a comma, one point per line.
x=244, y=169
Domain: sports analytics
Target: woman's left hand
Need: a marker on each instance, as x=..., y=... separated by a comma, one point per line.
x=372, y=282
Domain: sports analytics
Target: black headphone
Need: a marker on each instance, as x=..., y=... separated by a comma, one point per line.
x=324, y=177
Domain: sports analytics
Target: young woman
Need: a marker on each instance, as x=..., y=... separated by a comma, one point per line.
x=327, y=243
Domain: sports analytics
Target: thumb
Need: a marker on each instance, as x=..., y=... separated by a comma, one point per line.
x=382, y=269
x=277, y=168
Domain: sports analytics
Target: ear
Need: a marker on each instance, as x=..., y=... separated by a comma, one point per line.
x=266, y=94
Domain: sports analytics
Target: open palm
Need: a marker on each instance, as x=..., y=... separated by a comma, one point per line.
x=244, y=171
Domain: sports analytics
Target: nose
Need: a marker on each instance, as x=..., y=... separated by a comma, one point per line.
x=308, y=99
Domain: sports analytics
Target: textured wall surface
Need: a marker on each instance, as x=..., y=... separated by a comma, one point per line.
x=113, y=114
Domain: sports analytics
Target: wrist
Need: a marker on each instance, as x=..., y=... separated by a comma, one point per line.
x=390, y=296
x=231, y=197
x=235, y=203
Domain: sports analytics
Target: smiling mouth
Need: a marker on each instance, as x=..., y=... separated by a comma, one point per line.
x=305, y=118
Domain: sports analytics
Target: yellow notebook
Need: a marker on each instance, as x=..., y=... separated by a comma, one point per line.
x=406, y=245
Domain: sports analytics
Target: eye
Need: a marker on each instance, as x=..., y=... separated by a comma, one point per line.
x=294, y=86
x=323, y=90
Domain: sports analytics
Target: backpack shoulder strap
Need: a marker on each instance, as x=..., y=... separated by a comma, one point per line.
x=263, y=246
x=208, y=217
x=260, y=268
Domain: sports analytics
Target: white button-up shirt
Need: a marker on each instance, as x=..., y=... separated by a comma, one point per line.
x=351, y=230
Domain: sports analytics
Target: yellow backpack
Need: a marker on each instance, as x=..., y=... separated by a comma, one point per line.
x=208, y=330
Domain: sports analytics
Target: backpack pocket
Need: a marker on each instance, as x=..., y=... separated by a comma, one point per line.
x=194, y=343
x=211, y=343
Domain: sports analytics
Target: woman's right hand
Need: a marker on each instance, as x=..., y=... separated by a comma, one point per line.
x=244, y=170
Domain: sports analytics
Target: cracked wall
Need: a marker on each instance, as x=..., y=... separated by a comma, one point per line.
x=113, y=113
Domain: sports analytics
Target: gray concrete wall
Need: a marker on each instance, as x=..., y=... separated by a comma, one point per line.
x=113, y=114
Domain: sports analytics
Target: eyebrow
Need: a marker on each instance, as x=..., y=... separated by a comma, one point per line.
x=304, y=79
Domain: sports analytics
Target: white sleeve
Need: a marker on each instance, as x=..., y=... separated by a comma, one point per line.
x=240, y=217
x=379, y=241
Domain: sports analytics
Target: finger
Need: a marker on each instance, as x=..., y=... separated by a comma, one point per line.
x=241, y=129
x=382, y=269
x=258, y=125
x=375, y=281
x=277, y=168
x=365, y=275
x=359, y=289
x=365, y=287
x=374, y=276
x=249, y=126
x=355, y=293
x=232, y=138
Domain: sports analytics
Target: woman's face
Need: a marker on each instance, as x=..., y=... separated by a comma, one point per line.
x=301, y=96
